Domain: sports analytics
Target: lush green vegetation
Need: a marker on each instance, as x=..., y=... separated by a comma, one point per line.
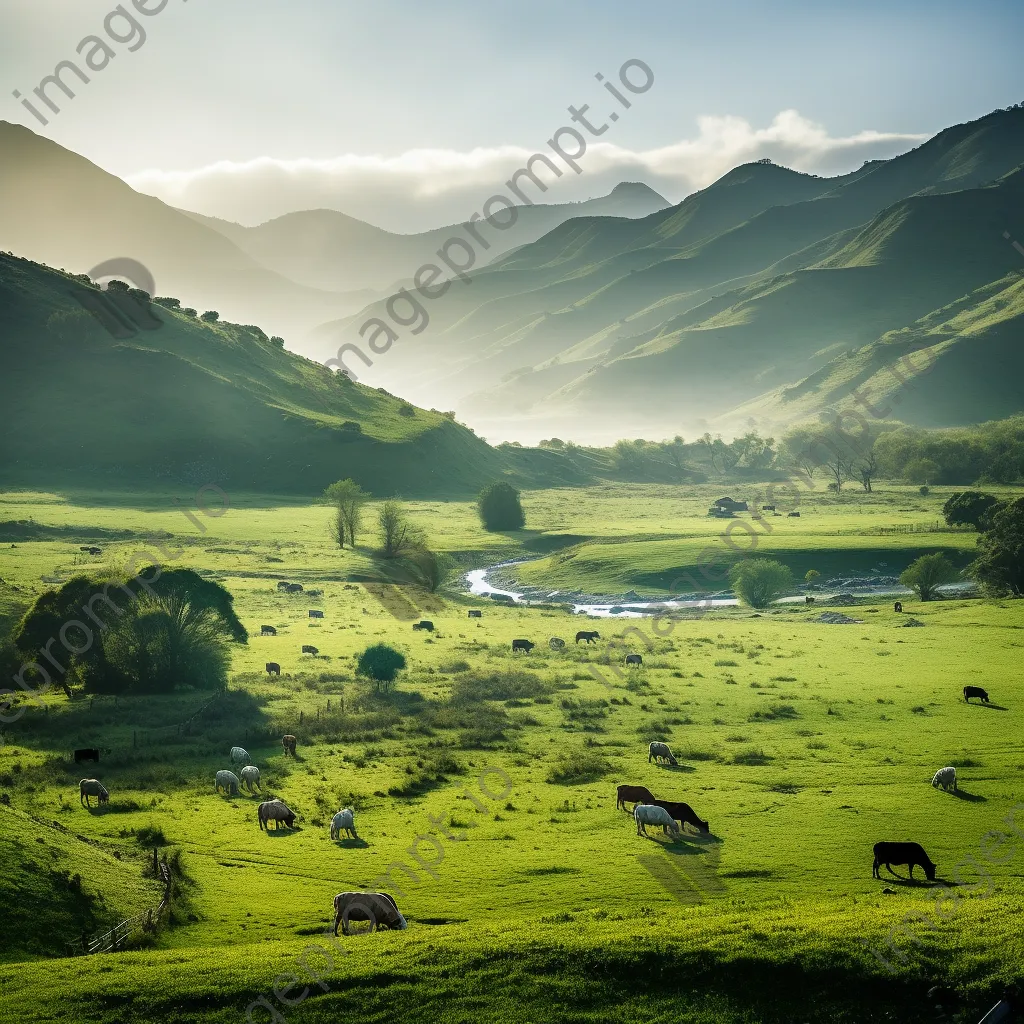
x=500, y=508
x=758, y=582
x=801, y=742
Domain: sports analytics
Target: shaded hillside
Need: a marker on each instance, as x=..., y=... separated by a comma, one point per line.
x=197, y=402
x=331, y=250
x=59, y=209
x=747, y=286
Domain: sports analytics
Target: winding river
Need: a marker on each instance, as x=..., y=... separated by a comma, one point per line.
x=477, y=583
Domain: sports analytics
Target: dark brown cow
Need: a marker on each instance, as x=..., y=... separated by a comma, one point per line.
x=634, y=659
x=309, y=649
x=378, y=908
x=976, y=691
x=898, y=606
x=288, y=742
x=268, y=631
x=590, y=635
x=682, y=813
x=633, y=794
x=523, y=645
x=273, y=669
x=475, y=613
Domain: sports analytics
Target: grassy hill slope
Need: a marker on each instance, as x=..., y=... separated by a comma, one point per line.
x=191, y=401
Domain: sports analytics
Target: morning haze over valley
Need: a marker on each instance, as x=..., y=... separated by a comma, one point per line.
x=512, y=515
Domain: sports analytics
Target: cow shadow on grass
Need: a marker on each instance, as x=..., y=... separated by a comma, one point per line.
x=989, y=705
x=971, y=798
x=286, y=831
x=351, y=844
x=681, y=768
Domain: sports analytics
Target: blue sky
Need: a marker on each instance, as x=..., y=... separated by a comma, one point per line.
x=316, y=80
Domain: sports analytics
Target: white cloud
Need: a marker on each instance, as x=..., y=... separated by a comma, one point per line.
x=423, y=188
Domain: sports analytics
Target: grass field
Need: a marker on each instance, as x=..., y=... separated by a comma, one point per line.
x=801, y=743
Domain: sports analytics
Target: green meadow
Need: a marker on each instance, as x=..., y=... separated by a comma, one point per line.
x=484, y=782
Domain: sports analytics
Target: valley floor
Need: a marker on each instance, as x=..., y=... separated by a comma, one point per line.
x=484, y=784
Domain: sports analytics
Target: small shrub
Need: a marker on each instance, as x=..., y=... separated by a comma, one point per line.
x=579, y=765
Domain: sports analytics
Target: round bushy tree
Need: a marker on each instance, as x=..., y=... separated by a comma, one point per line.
x=381, y=663
x=999, y=566
x=927, y=573
x=500, y=508
x=759, y=581
x=969, y=508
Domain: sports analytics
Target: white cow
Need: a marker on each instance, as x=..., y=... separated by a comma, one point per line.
x=92, y=787
x=228, y=781
x=343, y=821
x=946, y=778
x=251, y=778
x=649, y=814
x=239, y=755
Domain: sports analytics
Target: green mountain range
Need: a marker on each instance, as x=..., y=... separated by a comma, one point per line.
x=757, y=297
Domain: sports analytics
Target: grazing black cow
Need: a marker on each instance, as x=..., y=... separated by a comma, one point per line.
x=475, y=613
x=634, y=659
x=283, y=584
x=911, y=854
x=976, y=691
x=309, y=649
x=273, y=669
x=315, y=613
x=808, y=599
x=87, y=754
x=767, y=508
x=294, y=588
x=268, y=631
x=683, y=813
x=898, y=606
x=523, y=645
x=590, y=635
x=794, y=515
x=424, y=624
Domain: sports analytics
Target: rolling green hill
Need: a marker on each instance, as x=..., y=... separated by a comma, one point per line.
x=192, y=401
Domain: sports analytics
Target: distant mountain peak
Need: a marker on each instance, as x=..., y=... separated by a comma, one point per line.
x=636, y=190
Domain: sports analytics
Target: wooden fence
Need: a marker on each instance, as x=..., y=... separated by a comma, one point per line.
x=115, y=938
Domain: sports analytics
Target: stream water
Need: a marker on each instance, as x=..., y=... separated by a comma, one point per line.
x=599, y=607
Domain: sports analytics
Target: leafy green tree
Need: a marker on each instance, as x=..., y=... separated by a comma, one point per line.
x=927, y=573
x=277, y=341
x=500, y=508
x=431, y=569
x=172, y=629
x=811, y=577
x=760, y=581
x=675, y=452
x=921, y=471
x=348, y=499
x=999, y=566
x=211, y=316
x=969, y=508
x=381, y=663
x=397, y=534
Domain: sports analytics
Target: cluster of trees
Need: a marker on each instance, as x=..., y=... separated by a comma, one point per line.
x=990, y=453
x=175, y=630
x=999, y=565
x=399, y=541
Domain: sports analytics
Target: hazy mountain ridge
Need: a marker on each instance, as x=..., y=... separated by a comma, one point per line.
x=332, y=250
x=745, y=287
